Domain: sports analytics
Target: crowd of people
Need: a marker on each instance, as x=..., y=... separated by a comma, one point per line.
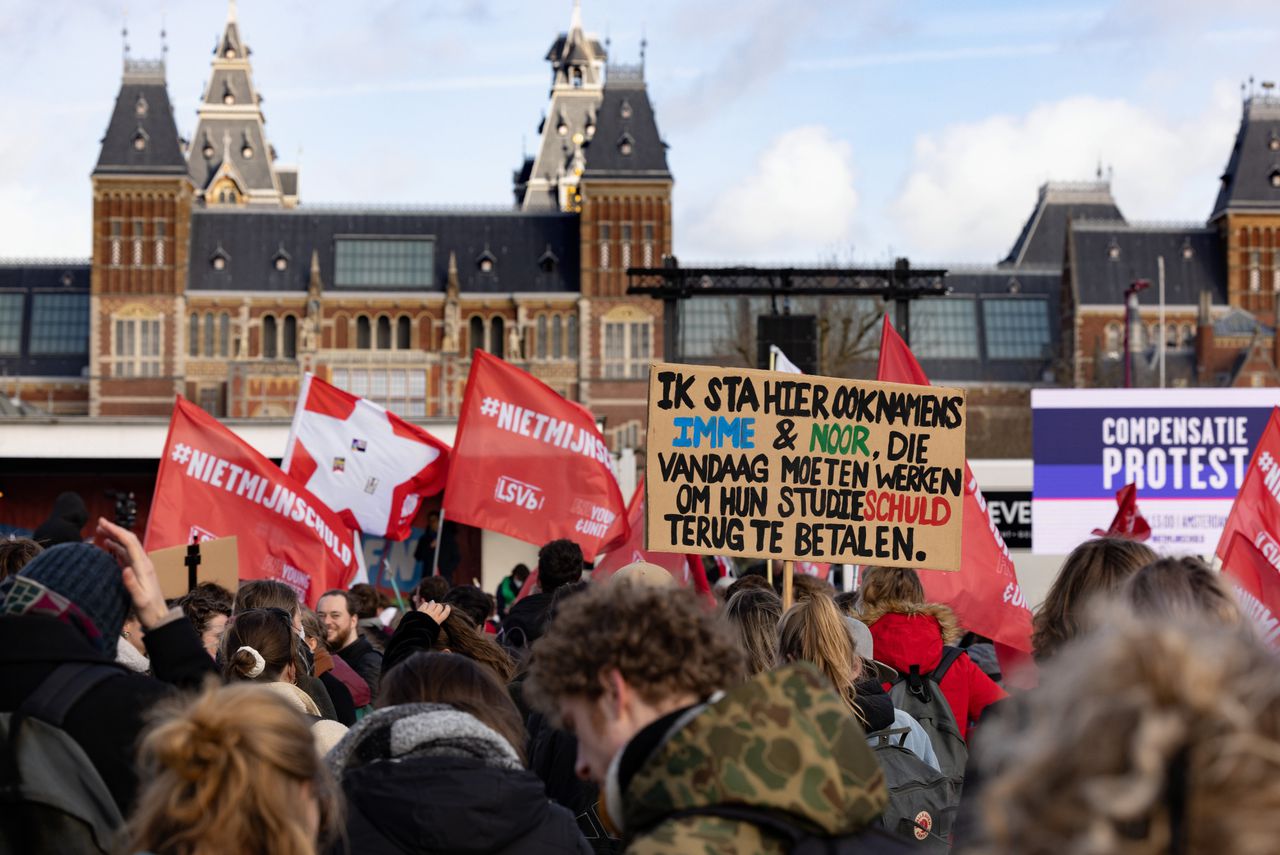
x=626, y=715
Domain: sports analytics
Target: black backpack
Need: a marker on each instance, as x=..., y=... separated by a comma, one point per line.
x=922, y=800
x=921, y=696
x=52, y=798
x=802, y=837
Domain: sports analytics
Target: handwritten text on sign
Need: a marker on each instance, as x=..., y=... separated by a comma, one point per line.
x=770, y=465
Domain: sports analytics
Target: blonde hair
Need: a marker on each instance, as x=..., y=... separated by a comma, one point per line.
x=891, y=585
x=753, y=615
x=1146, y=736
x=225, y=772
x=814, y=631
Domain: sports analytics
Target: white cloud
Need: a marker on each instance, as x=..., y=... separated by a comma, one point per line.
x=972, y=185
x=798, y=200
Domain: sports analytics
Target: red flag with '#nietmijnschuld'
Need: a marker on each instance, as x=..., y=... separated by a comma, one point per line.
x=530, y=464
x=984, y=593
x=363, y=461
x=213, y=484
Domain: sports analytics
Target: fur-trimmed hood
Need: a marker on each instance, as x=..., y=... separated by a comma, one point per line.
x=909, y=634
x=947, y=620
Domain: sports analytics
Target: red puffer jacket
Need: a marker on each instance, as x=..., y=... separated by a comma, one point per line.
x=907, y=634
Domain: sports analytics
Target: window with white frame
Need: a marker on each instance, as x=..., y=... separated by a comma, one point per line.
x=1255, y=271
x=403, y=391
x=117, y=230
x=626, y=245
x=159, y=227
x=136, y=347
x=627, y=343
x=137, y=243
x=647, y=249
x=604, y=246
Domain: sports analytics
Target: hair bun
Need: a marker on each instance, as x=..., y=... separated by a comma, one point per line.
x=251, y=664
x=196, y=746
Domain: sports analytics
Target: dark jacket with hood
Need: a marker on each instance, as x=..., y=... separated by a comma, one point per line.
x=365, y=661
x=65, y=522
x=909, y=634
x=527, y=619
x=781, y=742
x=107, y=721
x=444, y=783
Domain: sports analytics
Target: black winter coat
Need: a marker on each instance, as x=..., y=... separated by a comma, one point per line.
x=527, y=619
x=106, y=722
x=365, y=661
x=458, y=805
x=65, y=523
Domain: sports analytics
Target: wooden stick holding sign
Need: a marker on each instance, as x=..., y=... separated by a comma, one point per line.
x=761, y=464
x=788, y=582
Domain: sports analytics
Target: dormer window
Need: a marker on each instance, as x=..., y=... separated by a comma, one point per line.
x=1275, y=176
x=1274, y=142
x=486, y=262
x=228, y=97
x=626, y=145
x=562, y=128
x=281, y=260
x=140, y=107
x=66, y=279
x=207, y=150
x=139, y=141
x=219, y=259
x=230, y=52
x=1113, y=250
x=577, y=78
x=1187, y=252
x=625, y=111
x=548, y=261
x=247, y=151
x=591, y=127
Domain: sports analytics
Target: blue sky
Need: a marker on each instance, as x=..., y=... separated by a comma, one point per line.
x=799, y=130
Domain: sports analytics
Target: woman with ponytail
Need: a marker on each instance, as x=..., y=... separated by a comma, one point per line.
x=231, y=770
x=259, y=646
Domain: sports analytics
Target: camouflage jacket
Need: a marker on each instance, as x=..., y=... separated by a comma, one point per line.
x=782, y=741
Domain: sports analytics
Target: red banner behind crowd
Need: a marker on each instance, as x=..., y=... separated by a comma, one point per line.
x=632, y=549
x=365, y=462
x=530, y=464
x=984, y=593
x=1250, y=544
x=212, y=484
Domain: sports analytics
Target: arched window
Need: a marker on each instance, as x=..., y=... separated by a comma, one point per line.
x=224, y=334
x=290, y=347
x=208, y=334
x=572, y=350
x=193, y=336
x=269, y=337
x=402, y=333
x=477, y=333
x=1112, y=337
x=557, y=338
x=497, y=334
x=542, y=336
x=364, y=338
x=384, y=332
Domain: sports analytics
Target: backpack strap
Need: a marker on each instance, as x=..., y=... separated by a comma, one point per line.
x=885, y=737
x=918, y=685
x=63, y=688
x=949, y=657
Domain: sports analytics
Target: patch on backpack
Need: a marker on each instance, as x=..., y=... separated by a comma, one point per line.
x=924, y=824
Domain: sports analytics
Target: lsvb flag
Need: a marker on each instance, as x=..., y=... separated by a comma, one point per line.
x=530, y=464
x=212, y=484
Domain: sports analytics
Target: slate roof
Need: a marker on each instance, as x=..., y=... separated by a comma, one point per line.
x=43, y=276
x=1194, y=260
x=251, y=239
x=648, y=157
x=1247, y=182
x=1044, y=235
x=142, y=108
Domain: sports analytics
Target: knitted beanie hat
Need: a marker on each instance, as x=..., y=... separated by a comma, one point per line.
x=90, y=578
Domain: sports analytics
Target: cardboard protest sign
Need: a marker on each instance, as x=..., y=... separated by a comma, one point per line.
x=219, y=562
x=770, y=465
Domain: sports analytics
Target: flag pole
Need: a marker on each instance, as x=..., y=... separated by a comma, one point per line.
x=435, y=560
x=788, y=571
x=769, y=570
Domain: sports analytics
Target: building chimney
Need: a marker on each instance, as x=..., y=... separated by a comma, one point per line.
x=1204, y=340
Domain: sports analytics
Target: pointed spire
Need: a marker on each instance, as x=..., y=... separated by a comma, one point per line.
x=575, y=19
x=315, y=285
x=453, y=269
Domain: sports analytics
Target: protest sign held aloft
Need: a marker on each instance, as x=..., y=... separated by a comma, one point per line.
x=770, y=465
x=530, y=464
x=213, y=484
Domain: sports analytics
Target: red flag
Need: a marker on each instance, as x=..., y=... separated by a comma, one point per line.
x=212, y=484
x=1129, y=522
x=532, y=465
x=633, y=548
x=984, y=593
x=1257, y=507
x=366, y=463
x=1253, y=568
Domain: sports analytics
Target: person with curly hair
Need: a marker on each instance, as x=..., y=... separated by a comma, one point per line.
x=689, y=757
x=208, y=606
x=1146, y=736
x=15, y=552
x=1094, y=569
x=231, y=770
